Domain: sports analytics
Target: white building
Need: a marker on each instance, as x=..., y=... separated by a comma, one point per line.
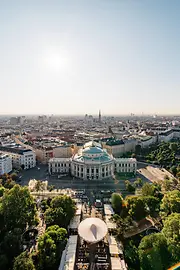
x=125, y=165
x=92, y=162
x=5, y=163
x=168, y=135
x=20, y=157
x=59, y=165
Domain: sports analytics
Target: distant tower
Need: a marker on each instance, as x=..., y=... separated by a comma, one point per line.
x=99, y=116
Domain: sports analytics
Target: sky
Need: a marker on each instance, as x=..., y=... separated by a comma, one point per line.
x=79, y=56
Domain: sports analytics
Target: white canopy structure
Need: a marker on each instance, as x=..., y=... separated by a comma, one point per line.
x=69, y=254
x=92, y=230
x=74, y=223
x=116, y=264
x=114, y=247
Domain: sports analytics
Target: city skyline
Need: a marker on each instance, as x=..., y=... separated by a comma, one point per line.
x=62, y=58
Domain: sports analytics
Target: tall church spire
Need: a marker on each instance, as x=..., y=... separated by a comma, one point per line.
x=99, y=116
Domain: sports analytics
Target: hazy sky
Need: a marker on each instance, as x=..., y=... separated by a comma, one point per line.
x=79, y=56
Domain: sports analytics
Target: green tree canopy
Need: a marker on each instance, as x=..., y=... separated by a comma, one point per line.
x=171, y=230
x=173, y=170
x=173, y=147
x=122, y=225
x=23, y=262
x=148, y=189
x=2, y=189
x=50, y=246
x=153, y=252
x=131, y=255
x=136, y=207
x=11, y=244
x=138, y=182
x=129, y=187
x=170, y=203
x=116, y=201
x=18, y=208
x=152, y=205
x=61, y=211
x=14, y=176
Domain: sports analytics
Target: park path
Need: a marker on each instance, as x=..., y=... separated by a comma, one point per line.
x=143, y=225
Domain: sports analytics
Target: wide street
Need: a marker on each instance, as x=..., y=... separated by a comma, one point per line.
x=94, y=187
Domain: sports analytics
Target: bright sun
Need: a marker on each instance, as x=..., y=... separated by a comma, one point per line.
x=56, y=61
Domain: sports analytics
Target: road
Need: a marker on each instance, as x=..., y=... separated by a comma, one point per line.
x=92, y=187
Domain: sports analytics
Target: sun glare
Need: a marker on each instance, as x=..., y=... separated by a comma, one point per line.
x=56, y=60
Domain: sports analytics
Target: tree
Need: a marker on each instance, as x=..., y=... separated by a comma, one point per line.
x=11, y=244
x=14, y=176
x=18, y=208
x=173, y=147
x=173, y=170
x=148, y=189
x=116, y=201
x=39, y=186
x=129, y=187
x=138, y=182
x=9, y=183
x=131, y=255
x=51, y=187
x=171, y=230
x=167, y=184
x=153, y=252
x=122, y=225
x=2, y=189
x=50, y=246
x=152, y=205
x=170, y=203
x=55, y=216
x=44, y=205
x=136, y=207
x=61, y=211
x=23, y=262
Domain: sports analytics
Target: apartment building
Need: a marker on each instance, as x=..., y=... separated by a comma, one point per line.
x=5, y=163
x=21, y=158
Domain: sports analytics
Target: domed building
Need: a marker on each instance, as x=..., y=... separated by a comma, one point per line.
x=92, y=162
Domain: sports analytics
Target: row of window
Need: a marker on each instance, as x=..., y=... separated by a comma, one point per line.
x=92, y=169
x=61, y=165
x=126, y=170
x=92, y=176
x=125, y=165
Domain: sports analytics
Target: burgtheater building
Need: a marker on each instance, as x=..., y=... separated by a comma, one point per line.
x=92, y=162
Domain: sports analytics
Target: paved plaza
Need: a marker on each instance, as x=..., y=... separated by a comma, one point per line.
x=93, y=187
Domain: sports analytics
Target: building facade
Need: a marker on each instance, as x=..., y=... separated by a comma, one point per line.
x=5, y=163
x=21, y=158
x=119, y=147
x=125, y=165
x=92, y=162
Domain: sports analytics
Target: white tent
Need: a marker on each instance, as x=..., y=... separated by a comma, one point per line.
x=92, y=230
x=116, y=264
